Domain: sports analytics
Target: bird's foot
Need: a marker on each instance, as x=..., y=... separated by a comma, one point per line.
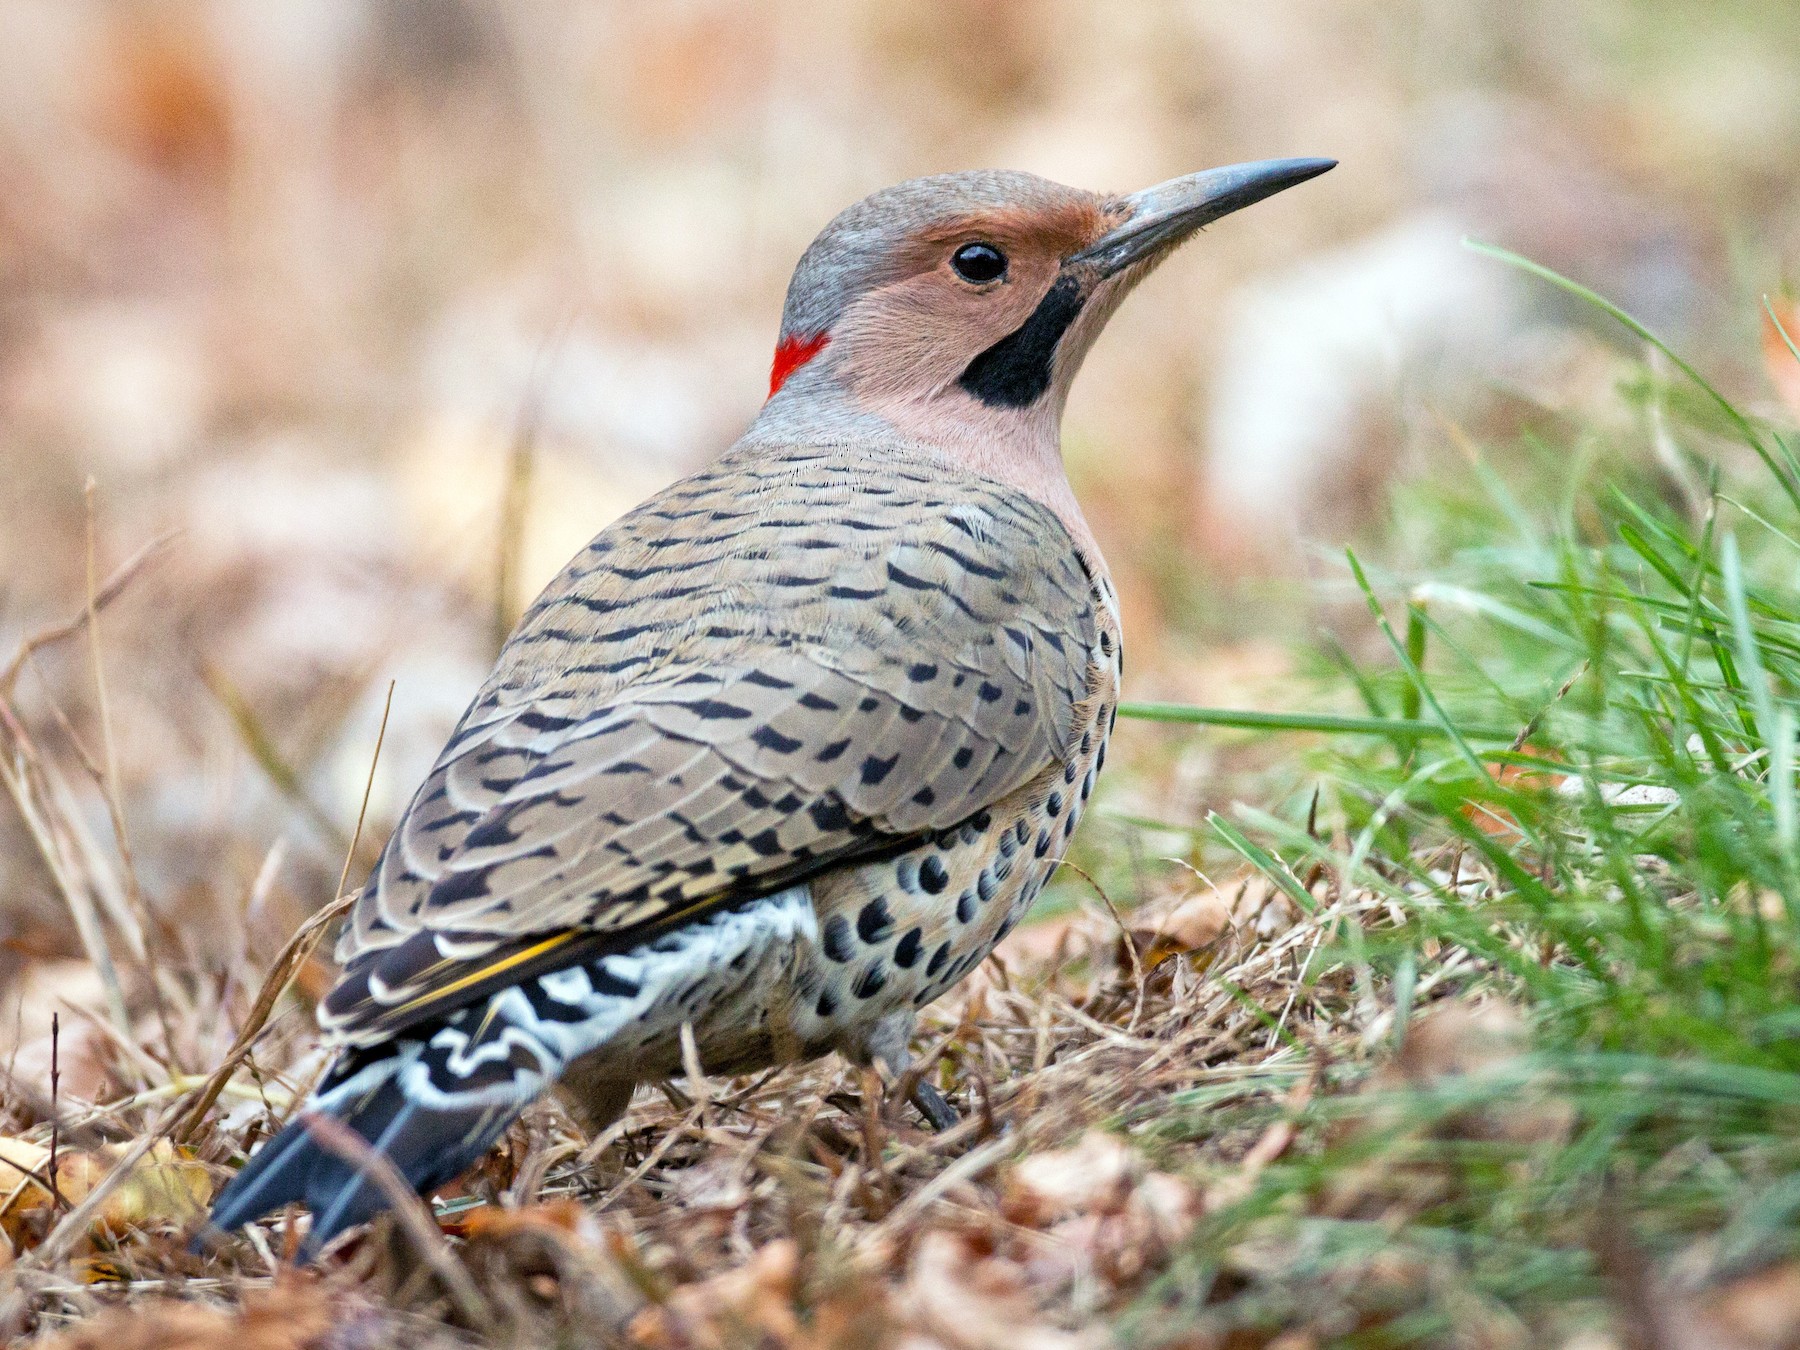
x=938, y=1113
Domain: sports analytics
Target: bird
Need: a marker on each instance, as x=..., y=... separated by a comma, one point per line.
x=786, y=750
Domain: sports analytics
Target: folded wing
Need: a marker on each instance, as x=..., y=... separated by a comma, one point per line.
x=768, y=670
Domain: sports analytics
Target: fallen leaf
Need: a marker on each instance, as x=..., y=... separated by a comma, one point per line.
x=550, y=1274
x=971, y=1299
x=1096, y=1176
x=752, y=1304
x=1193, y=925
x=168, y=1188
x=27, y=1207
x=296, y=1314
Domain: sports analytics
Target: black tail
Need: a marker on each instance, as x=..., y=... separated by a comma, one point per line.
x=434, y=1102
x=431, y=1107
x=428, y=1145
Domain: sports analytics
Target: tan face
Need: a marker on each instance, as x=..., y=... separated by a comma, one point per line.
x=962, y=286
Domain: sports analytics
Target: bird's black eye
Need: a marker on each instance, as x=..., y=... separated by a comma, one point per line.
x=979, y=263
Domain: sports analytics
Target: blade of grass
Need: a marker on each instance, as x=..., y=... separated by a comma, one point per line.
x=1334, y=724
x=1412, y=671
x=1266, y=863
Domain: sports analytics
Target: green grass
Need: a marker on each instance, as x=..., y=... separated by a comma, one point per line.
x=1608, y=684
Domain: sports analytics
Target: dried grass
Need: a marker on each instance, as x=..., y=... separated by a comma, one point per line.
x=805, y=1206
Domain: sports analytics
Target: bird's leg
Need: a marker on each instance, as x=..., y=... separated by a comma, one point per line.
x=885, y=1044
x=594, y=1101
x=938, y=1113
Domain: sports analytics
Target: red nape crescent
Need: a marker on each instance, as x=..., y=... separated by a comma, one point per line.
x=793, y=353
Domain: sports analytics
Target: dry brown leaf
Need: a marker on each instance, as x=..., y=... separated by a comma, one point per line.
x=1496, y=821
x=969, y=1298
x=1112, y=1220
x=750, y=1305
x=168, y=1188
x=1193, y=925
x=1096, y=1176
x=550, y=1274
x=27, y=1208
x=296, y=1314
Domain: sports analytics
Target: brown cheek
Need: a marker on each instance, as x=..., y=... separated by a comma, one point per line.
x=920, y=334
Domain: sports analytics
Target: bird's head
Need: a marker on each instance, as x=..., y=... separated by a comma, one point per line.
x=956, y=309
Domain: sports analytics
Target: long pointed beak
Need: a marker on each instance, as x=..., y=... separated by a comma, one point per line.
x=1164, y=215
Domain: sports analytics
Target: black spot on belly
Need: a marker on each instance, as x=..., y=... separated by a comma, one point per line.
x=826, y=1005
x=874, y=922
x=908, y=950
x=965, y=907
x=838, y=944
x=870, y=982
x=933, y=876
x=938, y=958
x=986, y=884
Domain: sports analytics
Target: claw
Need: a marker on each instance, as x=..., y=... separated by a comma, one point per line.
x=938, y=1113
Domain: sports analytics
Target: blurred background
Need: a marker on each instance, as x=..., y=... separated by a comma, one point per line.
x=388, y=305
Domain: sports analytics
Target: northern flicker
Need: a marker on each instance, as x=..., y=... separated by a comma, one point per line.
x=787, y=749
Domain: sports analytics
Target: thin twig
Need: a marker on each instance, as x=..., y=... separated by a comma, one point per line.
x=1531, y=727
x=1131, y=951
x=26, y=778
x=55, y=1094
x=652, y=1158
